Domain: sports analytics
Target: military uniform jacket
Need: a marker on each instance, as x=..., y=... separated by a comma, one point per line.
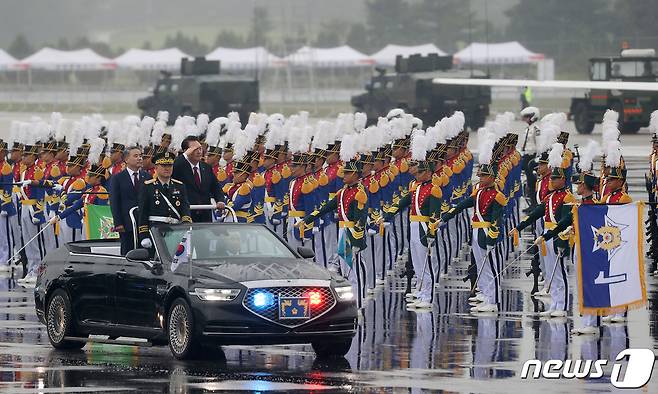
x=31, y=197
x=239, y=197
x=258, y=197
x=350, y=205
x=488, y=203
x=567, y=220
x=51, y=174
x=618, y=196
x=6, y=180
x=542, y=188
x=71, y=201
x=424, y=202
x=152, y=203
x=556, y=206
x=301, y=203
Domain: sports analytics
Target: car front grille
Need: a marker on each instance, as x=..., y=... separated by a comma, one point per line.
x=271, y=312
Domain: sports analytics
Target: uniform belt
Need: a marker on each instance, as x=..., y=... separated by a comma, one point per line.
x=345, y=224
x=242, y=214
x=270, y=199
x=296, y=214
x=481, y=224
x=163, y=219
x=419, y=218
x=550, y=225
x=29, y=202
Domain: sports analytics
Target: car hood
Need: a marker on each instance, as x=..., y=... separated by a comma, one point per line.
x=243, y=270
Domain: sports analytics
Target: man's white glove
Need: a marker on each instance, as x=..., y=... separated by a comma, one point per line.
x=57, y=187
x=316, y=230
x=276, y=222
x=146, y=243
x=372, y=232
x=4, y=214
x=387, y=224
x=36, y=220
x=53, y=219
x=26, y=183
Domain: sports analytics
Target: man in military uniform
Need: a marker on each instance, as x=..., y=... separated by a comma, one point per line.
x=555, y=207
x=161, y=200
x=530, y=115
x=7, y=210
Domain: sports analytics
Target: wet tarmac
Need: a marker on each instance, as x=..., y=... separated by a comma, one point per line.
x=395, y=350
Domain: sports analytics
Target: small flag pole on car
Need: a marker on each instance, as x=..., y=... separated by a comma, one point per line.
x=189, y=250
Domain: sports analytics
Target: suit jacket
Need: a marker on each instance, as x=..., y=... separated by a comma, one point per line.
x=123, y=197
x=210, y=187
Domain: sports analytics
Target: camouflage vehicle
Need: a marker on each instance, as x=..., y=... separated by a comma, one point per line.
x=201, y=89
x=411, y=88
x=634, y=107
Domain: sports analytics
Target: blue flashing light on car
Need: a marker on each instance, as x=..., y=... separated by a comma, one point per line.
x=263, y=299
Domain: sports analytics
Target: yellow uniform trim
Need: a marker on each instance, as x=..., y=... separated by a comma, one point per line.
x=419, y=218
x=296, y=214
x=481, y=224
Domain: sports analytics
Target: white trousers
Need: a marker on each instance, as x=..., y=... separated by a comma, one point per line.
x=9, y=230
x=35, y=251
x=373, y=257
x=539, y=231
x=424, y=272
x=560, y=284
x=330, y=236
x=488, y=282
x=68, y=234
x=51, y=240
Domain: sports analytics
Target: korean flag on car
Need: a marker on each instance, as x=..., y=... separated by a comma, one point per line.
x=183, y=251
x=610, y=258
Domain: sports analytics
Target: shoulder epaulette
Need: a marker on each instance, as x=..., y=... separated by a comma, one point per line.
x=176, y=181
x=149, y=182
x=6, y=168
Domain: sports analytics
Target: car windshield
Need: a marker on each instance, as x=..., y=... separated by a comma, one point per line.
x=224, y=241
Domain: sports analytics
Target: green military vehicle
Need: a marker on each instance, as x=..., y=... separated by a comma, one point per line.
x=410, y=87
x=634, y=107
x=200, y=88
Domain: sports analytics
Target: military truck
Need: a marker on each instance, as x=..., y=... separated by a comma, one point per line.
x=634, y=107
x=200, y=88
x=410, y=87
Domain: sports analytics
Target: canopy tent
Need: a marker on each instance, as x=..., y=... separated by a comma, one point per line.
x=498, y=53
x=6, y=60
x=143, y=59
x=386, y=56
x=244, y=58
x=55, y=59
x=343, y=56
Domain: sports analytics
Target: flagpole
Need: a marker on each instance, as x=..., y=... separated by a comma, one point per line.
x=189, y=251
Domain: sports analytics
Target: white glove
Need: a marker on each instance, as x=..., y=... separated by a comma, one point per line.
x=387, y=224
x=276, y=222
x=146, y=243
x=57, y=187
x=372, y=232
x=26, y=183
x=316, y=230
x=4, y=213
x=54, y=219
x=36, y=221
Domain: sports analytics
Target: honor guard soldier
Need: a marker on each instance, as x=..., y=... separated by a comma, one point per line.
x=32, y=201
x=52, y=173
x=350, y=205
x=161, y=200
x=300, y=199
x=556, y=206
x=530, y=115
x=424, y=202
x=7, y=209
x=488, y=203
x=239, y=192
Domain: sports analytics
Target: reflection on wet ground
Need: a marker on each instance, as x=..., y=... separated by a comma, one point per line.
x=394, y=350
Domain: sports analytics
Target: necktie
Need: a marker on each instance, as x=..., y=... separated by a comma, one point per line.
x=197, y=178
x=135, y=180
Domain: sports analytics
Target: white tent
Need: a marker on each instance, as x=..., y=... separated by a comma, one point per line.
x=386, y=56
x=55, y=59
x=343, y=56
x=6, y=60
x=143, y=59
x=498, y=53
x=244, y=58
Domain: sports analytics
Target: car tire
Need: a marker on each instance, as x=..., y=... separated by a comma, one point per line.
x=59, y=321
x=581, y=121
x=180, y=331
x=332, y=348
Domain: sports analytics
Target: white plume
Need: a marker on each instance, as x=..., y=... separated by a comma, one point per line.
x=63, y=128
x=348, y=148
x=212, y=137
x=653, y=123
x=613, y=154
x=587, y=155
x=202, y=121
x=163, y=116
x=360, y=121
x=96, y=146
x=145, y=127
x=609, y=128
x=486, y=143
x=418, y=145
x=158, y=132
x=555, y=155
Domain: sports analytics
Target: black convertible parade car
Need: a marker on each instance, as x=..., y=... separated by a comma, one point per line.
x=204, y=285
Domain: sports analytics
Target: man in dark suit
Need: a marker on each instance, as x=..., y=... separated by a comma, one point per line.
x=199, y=180
x=124, y=188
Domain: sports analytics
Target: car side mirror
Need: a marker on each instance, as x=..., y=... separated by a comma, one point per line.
x=138, y=255
x=306, y=253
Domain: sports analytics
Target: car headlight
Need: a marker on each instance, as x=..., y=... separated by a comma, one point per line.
x=216, y=294
x=344, y=293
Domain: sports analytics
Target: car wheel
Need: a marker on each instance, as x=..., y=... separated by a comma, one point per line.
x=180, y=330
x=581, y=120
x=59, y=322
x=332, y=348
